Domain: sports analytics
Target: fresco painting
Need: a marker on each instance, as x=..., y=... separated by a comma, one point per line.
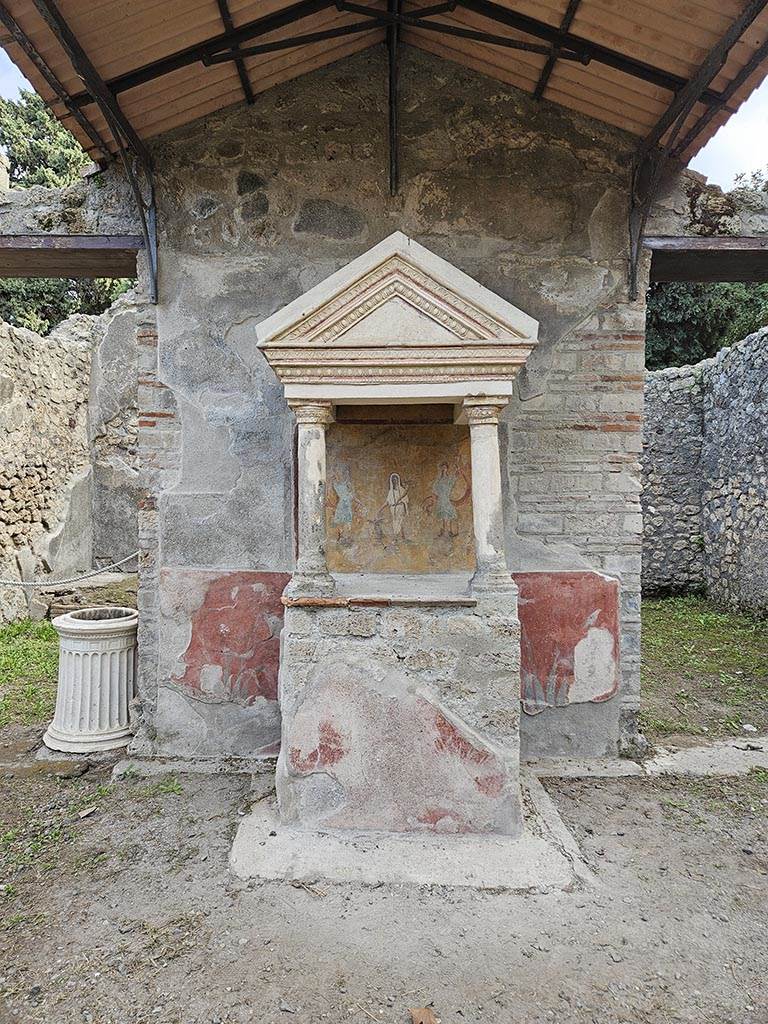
x=399, y=498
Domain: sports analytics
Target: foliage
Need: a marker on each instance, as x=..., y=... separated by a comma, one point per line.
x=40, y=149
x=690, y=321
x=29, y=658
x=704, y=669
x=39, y=303
x=42, y=152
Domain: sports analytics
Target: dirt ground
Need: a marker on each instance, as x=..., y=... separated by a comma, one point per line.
x=118, y=908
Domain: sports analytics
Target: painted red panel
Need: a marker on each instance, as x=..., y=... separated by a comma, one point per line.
x=234, y=647
x=569, y=638
x=394, y=760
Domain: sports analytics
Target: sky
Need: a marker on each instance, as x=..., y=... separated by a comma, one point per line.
x=741, y=145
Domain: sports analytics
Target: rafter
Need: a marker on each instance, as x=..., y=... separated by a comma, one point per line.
x=584, y=49
x=133, y=153
x=596, y=52
x=22, y=40
x=293, y=41
x=242, y=73
x=655, y=150
x=224, y=41
x=549, y=67
x=97, y=88
x=760, y=55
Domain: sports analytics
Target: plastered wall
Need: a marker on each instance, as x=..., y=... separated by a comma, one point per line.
x=259, y=204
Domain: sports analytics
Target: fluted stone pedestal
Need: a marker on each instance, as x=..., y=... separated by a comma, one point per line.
x=97, y=669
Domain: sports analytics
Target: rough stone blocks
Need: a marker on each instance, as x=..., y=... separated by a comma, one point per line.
x=412, y=727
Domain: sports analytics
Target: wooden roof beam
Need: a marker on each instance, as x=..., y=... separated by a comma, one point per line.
x=226, y=41
x=594, y=51
x=22, y=40
x=758, y=57
x=652, y=157
x=242, y=73
x=727, y=258
x=549, y=67
x=98, y=90
x=698, y=84
x=69, y=255
x=209, y=47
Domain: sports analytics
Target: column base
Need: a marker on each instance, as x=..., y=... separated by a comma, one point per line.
x=486, y=581
x=310, y=585
x=85, y=744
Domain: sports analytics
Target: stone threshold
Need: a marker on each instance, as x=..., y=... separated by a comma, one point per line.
x=545, y=858
x=737, y=756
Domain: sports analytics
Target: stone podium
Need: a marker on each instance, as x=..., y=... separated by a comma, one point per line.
x=399, y=680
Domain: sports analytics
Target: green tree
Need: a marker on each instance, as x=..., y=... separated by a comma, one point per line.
x=40, y=149
x=689, y=321
x=42, y=152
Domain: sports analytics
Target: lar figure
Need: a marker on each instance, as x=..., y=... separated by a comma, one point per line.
x=442, y=499
x=445, y=510
x=397, y=502
x=345, y=502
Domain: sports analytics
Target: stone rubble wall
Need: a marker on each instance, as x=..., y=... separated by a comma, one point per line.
x=673, y=546
x=68, y=435
x=43, y=449
x=687, y=205
x=705, y=477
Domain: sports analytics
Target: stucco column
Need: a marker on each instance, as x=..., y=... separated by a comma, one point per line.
x=491, y=572
x=311, y=575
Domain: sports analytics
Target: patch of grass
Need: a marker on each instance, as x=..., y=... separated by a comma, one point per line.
x=704, y=669
x=168, y=785
x=29, y=660
x=14, y=920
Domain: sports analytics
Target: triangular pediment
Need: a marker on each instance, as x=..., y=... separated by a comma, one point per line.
x=397, y=316
x=396, y=299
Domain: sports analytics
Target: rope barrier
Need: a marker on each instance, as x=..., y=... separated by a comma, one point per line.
x=73, y=579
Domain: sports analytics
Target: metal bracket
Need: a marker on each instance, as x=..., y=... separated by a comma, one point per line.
x=133, y=153
x=653, y=157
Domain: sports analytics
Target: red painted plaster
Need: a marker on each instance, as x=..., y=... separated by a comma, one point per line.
x=236, y=634
x=329, y=750
x=400, y=761
x=491, y=785
x=450, y=741
x=435, y=817
x=556, y=611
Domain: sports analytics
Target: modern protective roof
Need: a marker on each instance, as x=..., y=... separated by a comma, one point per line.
x=619, y=62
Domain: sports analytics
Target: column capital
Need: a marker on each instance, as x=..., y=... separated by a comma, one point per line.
x=311, y=413
x=484, y=409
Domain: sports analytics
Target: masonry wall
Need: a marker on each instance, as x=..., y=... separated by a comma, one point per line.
x=43, y=452
x=68, y=472
x=673, y=545
x=705, y=477
x=259, y=204
x=113, y=434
